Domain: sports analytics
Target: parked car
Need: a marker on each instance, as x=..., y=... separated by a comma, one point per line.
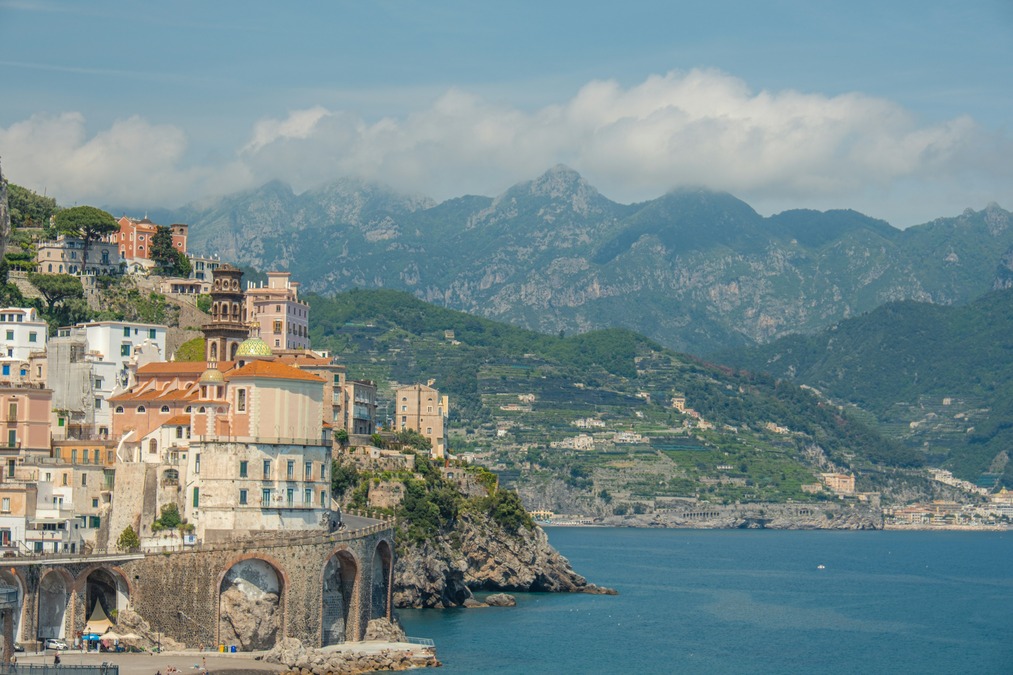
x=55, y=643
x=18, y=647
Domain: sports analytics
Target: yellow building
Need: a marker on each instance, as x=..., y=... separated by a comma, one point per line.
x=422, y=409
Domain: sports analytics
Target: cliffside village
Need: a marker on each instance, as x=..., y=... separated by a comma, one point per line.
x=104, y=428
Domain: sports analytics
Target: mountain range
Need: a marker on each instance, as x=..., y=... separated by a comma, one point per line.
x=938, y=378
x=696, y=270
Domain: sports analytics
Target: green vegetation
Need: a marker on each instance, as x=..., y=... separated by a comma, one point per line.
x=170, y=519
x=625, y=383
x=170, y=261
x=88, y=223
x=128, y=540
x=29, y=209
x=937, y=378
x=191, y=350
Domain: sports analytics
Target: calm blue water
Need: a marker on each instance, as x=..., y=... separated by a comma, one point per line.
x=701, y=601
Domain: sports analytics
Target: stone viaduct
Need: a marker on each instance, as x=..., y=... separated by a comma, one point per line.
x=320, y=588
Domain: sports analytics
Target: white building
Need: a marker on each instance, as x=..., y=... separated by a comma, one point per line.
x=113, y=350
x=21, y=333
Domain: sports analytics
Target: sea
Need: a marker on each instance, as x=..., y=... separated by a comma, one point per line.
x=750, y=601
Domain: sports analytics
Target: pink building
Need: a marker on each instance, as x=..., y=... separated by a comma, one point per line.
x=283, y=318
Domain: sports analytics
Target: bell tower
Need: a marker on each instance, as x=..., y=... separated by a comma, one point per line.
x=228, y=328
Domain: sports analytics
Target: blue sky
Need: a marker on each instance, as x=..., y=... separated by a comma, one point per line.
x=899, y=109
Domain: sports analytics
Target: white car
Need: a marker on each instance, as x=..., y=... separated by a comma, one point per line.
x=55, y=643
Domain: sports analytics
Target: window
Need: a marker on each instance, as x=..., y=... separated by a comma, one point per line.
x=73, y=456
x=12, y=410
x=151, y=333
x=33, y=337
x=308, y=471
x=196, y=463
x=241, y=400
x=98, y=404
x=84, y=480
x=307, y=497
x=323, y=499
x=98, y=382
x=265, y=496
x=164, y=410
x=5, y=506
x=196, y=497
x=125, y=349
x=126, y=331
x=10, y=335
x=119, y=410
x=267, y=469
x=404, y=408
x=94, y=503
x=179, y=432
x=290, y=496
x=290, y=470
x=6, y=369
x=277, y=328
x=65, y=479
x=242, y=497
x=85, y=456
x=12, y=438
x=244, y=468
x=141, y=409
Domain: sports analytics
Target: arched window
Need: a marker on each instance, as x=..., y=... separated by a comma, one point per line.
x=214, y=351
x=164, y=410
x=141, y=409
x=119, y=410
x=152, y=446
x=189, y=409
x=201, y=410
x=179, y=432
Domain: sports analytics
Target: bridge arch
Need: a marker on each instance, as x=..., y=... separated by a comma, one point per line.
x=251, y=603
x=106, y=592
x=382, y=572
x=54, y=598
x=339, y=598
x=13, y=578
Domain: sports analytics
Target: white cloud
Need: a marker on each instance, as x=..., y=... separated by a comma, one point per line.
x=700, y=127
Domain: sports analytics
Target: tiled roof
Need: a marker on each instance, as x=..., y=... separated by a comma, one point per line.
x=177, y=420
x=272, y=370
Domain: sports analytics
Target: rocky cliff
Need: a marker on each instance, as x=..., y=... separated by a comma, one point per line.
x=480, y=555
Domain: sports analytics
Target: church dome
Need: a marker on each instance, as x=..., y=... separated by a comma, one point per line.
x=212, y=376
x=253, y=347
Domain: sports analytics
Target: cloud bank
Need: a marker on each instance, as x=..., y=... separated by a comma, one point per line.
x=700, y=127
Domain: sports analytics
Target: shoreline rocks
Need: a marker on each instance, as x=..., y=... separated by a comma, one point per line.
x=478, y=555
x=360, y=657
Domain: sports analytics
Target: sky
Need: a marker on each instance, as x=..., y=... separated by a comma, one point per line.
x=901, y=110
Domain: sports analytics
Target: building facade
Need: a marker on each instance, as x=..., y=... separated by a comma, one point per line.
x=422, y=409
x=66, y=256
x=283, y=319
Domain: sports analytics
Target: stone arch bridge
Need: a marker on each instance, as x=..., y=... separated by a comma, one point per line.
x=320, y=588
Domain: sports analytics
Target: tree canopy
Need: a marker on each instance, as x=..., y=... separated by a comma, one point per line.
x=56, y=287
x=169, y=260
x=29, y=209
x=88, y=223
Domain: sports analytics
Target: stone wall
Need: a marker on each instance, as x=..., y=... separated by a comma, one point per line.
x=178, y=594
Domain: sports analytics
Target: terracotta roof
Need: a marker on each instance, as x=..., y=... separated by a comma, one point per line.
x=177, y=420
x=272, y=370
x=181, y=368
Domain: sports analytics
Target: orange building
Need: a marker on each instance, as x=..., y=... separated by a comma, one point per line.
x=136, y=236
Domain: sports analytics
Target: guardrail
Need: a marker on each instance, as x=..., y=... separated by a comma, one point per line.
x=50, y=669
x=425, y=642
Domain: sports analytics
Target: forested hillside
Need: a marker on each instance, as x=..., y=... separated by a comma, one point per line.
x=515, y=392
x=938, y=378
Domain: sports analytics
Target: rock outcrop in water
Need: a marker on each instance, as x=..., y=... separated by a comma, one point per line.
x=477, y=554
